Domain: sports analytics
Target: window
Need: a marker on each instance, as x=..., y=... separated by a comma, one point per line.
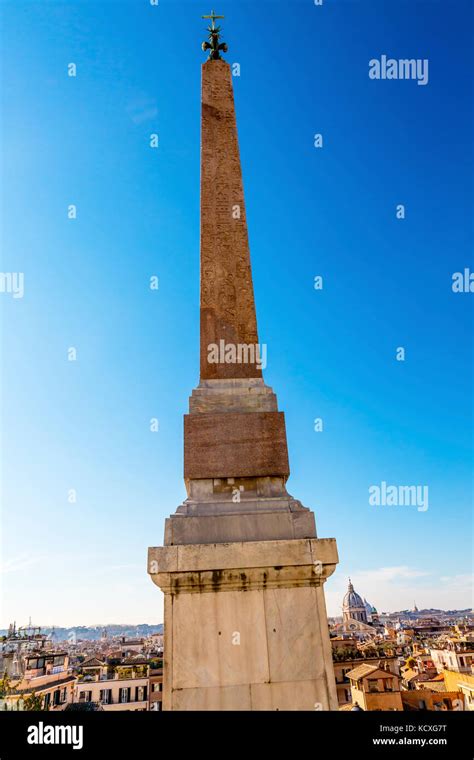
x=64, y=695
x=140, y=693
x=56, y=695
x=47, y=701
x=106, y=696
x=124, y=695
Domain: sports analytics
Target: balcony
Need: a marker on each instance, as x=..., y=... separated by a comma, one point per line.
x=121, y=677
x=118, y=706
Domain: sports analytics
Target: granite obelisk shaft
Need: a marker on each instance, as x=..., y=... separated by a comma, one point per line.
x=227, y=298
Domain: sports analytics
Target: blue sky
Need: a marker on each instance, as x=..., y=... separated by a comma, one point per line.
x=84, y=425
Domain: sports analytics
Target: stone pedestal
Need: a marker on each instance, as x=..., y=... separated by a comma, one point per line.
x=246, y=625
x=242, y=569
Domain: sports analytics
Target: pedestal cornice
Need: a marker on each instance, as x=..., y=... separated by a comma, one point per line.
x=249, y=565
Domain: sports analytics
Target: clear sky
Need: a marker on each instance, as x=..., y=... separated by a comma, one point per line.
x=331, y=211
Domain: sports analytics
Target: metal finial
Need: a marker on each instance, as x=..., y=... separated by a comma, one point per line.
x=213, y=45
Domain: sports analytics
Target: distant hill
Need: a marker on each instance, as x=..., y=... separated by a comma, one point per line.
x=93, y=633
x=432, y=612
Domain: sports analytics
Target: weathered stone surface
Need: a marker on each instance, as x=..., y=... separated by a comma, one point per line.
x=319, y=554
x=235, y=395
x=254, y=526
x=293, y=638
x=235, y=445
x=214, y=660
x=267, y=491
x=234, y=698
x=292, y=695
x=227, y=301
x=222, y=503
x=259, y=632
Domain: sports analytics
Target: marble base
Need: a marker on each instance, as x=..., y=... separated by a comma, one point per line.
x=246, y=625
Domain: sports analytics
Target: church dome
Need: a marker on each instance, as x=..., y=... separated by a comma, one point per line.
x=352, y=600
x=353, y=606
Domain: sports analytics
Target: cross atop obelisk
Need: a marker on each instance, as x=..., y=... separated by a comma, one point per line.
x=213, y=17
x=213, y=45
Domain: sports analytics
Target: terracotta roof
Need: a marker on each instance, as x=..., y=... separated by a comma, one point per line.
x=92, y=662
x=138, y=660
x=413, y=675
x=45, y=686
x=361, y=671
x=434, y=685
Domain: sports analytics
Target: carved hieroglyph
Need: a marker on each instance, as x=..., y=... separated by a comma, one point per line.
x=227, y=300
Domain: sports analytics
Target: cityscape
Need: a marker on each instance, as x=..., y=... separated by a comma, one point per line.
x=407, y=661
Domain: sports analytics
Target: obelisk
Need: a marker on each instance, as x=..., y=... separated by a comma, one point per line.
x=241, y=567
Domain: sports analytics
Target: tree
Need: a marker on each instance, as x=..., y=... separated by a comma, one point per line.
x=5, y=686
x=33, y=702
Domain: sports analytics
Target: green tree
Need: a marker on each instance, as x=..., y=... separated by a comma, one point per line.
x=5, y=686
x=33, y=702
